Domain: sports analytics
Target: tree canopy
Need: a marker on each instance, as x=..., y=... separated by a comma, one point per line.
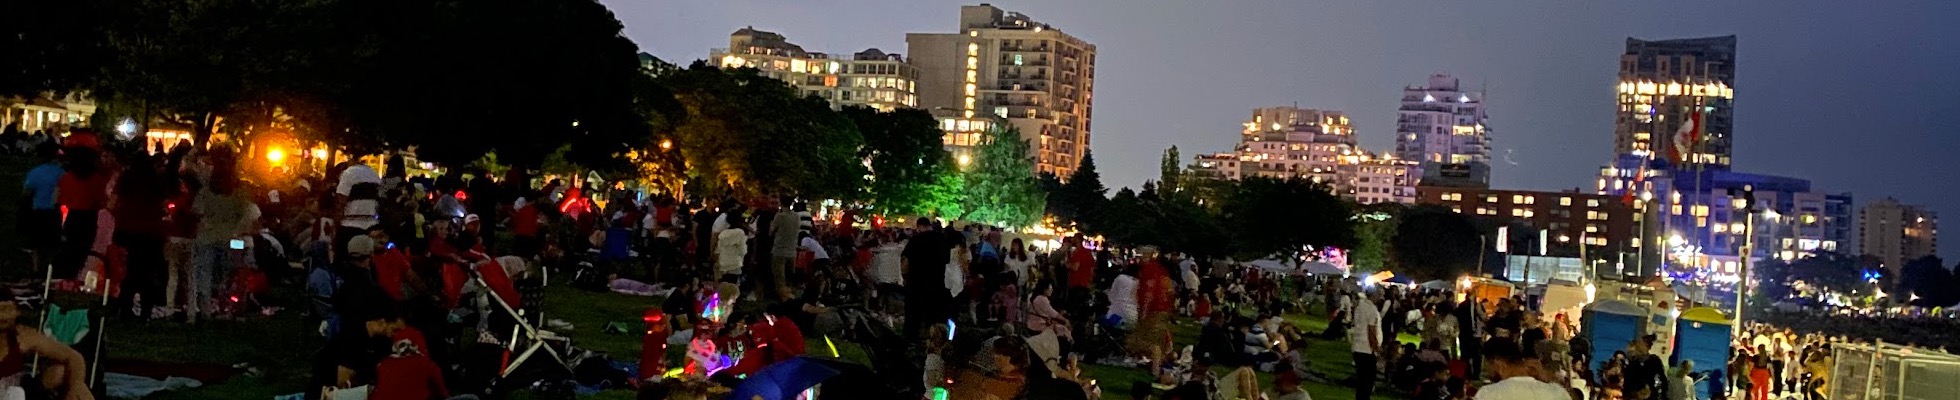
x=1284, y=216
x=1000, y=187
x=1435, y=243
x=1076, y=201
x=906, y=157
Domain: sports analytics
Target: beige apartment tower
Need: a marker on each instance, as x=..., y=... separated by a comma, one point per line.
x=1897, y=233
x=1005, y=66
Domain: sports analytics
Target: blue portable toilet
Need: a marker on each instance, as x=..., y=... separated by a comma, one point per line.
x=1610, y=324
x=1702, y=336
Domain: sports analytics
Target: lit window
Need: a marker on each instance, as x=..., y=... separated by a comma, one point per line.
x=1017, y=59
x=972, y=49
x=1000, y=112
x=972, y=76
x=969, y=103
x=1565, y=201
x=970, y=89
x=973, y=33
x=1517, y=212
x=1490, y=198
x=1634, y=243
x=1458, y=210
x=1677, y=209
x=1592, y=202
x=1517, y=199
x=1590, y=228
x=972, y=62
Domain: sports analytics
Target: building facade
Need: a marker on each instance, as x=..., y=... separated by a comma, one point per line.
x=1316, y=145
x=1702, y=220
x=1897, y=233
x=870, y=78
x=1603, y=230
x=1007, y=66
x=48, y=113
x=1668, y=84
x=1441, y=125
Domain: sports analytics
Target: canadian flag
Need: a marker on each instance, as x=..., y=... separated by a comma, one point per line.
x=1687, y=138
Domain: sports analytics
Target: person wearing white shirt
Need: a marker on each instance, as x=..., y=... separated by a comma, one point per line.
x=1516, y=370
x=818, y=256
x=1365, y=340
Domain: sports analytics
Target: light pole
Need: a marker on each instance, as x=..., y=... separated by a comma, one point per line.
x=1749, y=249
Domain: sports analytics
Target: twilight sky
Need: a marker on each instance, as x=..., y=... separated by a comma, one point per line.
x=1856, y=97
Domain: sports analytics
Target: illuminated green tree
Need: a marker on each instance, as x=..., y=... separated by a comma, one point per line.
x=1000, y=184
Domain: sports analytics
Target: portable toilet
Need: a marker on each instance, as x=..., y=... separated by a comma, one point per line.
x=1610, y=325
x=1703, y=337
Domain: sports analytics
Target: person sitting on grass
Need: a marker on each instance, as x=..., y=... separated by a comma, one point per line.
x=66, y=373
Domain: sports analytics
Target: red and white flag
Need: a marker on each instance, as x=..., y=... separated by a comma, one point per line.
x=1687, y=140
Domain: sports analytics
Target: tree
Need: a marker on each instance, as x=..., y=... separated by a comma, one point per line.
x=1000, y=187
x=1931, y=282
x=51, y=46
x=1082, y=194
x=1374, y=231
x=746, y=134
x=1169, y=172
x=906, y=156
x=1435, y=243
x=1271, y=217
x=1129, y=221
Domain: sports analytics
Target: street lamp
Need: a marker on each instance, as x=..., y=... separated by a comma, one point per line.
x=127, y=128
x=964, y=160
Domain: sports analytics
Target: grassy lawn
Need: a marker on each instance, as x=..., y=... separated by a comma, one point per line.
x=1330, y=358
x=281, y=346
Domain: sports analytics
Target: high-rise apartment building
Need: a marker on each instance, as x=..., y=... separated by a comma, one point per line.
x=1441, y=125
x=1316, y=145
x=1007, y=66
x=1666, y=84
x=1897, y=233
x=869, y=78
x=1701, y=220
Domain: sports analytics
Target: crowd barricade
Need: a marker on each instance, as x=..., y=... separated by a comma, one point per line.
x=1881, y=371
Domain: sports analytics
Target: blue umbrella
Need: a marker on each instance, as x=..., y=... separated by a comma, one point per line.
x=783, y=380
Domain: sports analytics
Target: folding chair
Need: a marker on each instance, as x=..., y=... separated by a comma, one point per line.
x=497, y=292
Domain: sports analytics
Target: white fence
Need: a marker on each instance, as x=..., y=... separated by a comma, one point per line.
x=1891, y=372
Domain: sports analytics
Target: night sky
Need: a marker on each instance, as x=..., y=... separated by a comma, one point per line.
x=1857, y=97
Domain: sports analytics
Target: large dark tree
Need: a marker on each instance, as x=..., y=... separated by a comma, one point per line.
x=1169, y=173
x=750, y=135
x=1930, y=282
x=1082, y=194
x=50, y=46
x=1435, y=243
x=1271, y=217
x=906, y=157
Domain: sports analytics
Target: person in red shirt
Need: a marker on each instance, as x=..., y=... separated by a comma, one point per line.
x=524, y=228
x=766, y=340
x=1153, y=332
x=407, y=373
x=1081, y=275
x=82, y=191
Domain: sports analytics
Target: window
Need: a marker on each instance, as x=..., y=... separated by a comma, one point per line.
x=1676, y=210
x=1017, y=59
x=1565, y=201
x=1000, y=112
x=1458, y=210
x=972, y=62
x=1490, y=198
x=1592, y=202
x=969, y=103
x=972, y=76
x=1634, y=243
x=970, y=89
x=1452, y=196
x=1517, y=199
x=972, y=49
x=1592, y=228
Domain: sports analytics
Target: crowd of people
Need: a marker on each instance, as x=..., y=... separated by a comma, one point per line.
x=399, y=272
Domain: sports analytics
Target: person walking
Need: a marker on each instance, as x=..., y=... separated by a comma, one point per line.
x=138, y=207
x=41, y=220
x=224, y=215
x=731, y=248
x=83, y=191
x=784, y=228
x=1365, y=340
x=923, y=262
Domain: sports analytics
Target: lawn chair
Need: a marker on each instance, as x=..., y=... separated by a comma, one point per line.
x=498, y=292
